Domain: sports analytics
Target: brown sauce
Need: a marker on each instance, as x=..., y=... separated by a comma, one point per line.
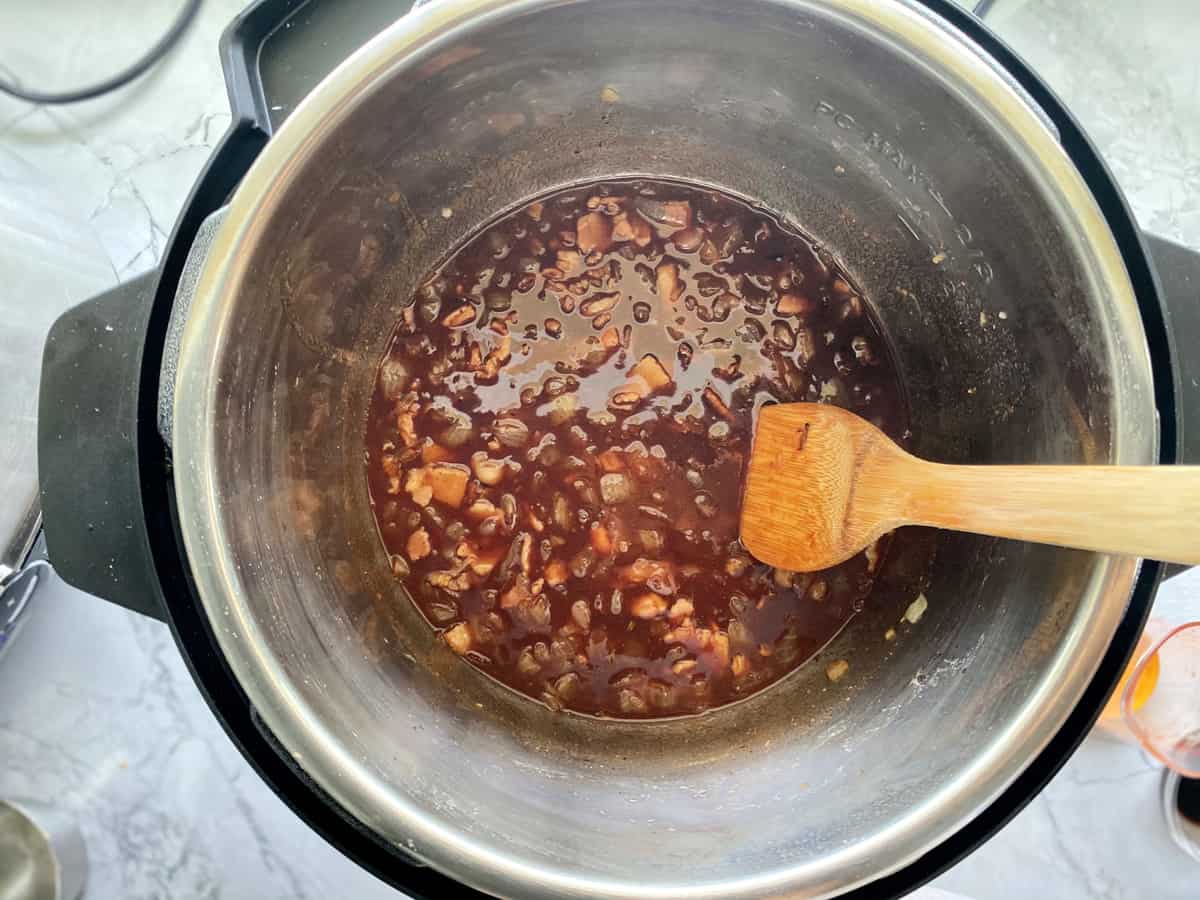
x=559, y=431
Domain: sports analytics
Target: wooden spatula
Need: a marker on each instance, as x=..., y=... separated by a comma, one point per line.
x=824, y=483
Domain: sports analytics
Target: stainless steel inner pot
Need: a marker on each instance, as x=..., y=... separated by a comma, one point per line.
x=879, y=130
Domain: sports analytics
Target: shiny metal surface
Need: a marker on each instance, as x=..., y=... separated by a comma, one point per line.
x=17, y=587
x=880, y=131
x=42, y=855
x=22, y=521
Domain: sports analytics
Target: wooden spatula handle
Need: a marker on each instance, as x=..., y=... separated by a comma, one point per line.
x=1150, y=511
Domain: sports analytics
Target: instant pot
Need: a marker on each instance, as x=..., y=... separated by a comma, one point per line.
x=202, y=434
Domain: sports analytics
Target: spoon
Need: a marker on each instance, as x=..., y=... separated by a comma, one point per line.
x=823, y=484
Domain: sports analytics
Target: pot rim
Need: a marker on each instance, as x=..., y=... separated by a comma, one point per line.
x=347, y=779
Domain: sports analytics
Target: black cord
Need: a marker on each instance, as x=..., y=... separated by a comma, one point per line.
x=153, y=55
x=982, y=7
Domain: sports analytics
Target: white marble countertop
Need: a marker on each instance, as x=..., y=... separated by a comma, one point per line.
x=98, y=714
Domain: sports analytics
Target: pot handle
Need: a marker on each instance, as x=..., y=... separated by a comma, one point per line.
x=87, y=447
x=1178, y=270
